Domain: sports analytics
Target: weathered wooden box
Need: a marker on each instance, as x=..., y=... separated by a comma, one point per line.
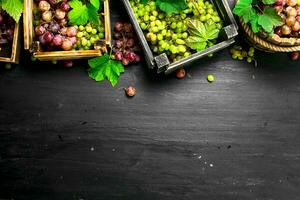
x=12, y=55
x=100, y=47
x=161, y=63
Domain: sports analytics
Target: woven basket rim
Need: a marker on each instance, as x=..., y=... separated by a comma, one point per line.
x=263, y=43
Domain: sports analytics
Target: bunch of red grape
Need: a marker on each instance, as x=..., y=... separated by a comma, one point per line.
x=7, y=25
x=51, y=25
x=125, y=45
x=289, y=10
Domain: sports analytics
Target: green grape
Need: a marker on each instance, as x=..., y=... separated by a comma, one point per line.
x=167, y=33
x=160, y=36
x=146, y=18
x=143, y=26
x=84, y=41
x=81, y=28
x=94, y=31
x=180, y=41
x=79, y=34
x=101, y=35
x=181, y=48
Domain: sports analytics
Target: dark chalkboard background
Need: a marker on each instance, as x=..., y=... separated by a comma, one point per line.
x=64, y=136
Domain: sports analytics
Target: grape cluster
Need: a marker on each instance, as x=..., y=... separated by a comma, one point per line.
x=7, y=25
x=50, y=26
x=54, y=33
x=237, y=52
x=125, y=45
x=168, y=33
x=289, y=10
x=87, y=35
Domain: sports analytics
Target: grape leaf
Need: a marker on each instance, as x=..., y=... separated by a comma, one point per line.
x=79, y=14
x=254, y=24
x=95, y=3
x=93, y=14
x=82, y=13
x=269, y=19
x=244, y=10
x=171, y=6
x=103, y=67
x=196, y=43
x=201, y=34
x=13, y=7
x=268, y=2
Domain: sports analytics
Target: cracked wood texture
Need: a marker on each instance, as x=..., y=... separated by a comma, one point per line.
x=64, y=136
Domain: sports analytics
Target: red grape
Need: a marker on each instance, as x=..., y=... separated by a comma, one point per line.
x=291, y=11
x=39, y=30
x=296, y=26
x=44, y=6
x=63, y=31
x=66, y=45
x=290, y=21
x=130, y=56
x=48, y=37
x=286, y=30
x=291, y=2
x=57, y=40
x=119, y=26
x=65, y=6
x=128, y=28
x=125, y=62
x=59, y=14
x=54, y=27
x=119, y=43
x=295, y=55
x=42, y=40
x=119, y=56
x=71, y=31
x=73, y=40
x=47, y=16
x=130, y=42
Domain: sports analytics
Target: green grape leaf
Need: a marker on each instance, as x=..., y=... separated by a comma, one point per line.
x=103, y=67
x=13, y=7
x=93, y=15
x=171, y=6
x=79, y=14
x=269, y=19
x=196, y=43
x=244, y=10
x=201, y=34
x=254, y=24
x=268, y=2
x=95, y=3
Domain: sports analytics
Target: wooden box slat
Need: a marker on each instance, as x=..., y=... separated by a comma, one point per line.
x=61, y=55
x=15, y=52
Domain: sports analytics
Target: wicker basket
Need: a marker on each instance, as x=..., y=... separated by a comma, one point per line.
x=15, y=48
x=100, y=47
x=269, y=44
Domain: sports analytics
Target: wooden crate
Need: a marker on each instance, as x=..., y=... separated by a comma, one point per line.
x=100, y=47
x=15, y=49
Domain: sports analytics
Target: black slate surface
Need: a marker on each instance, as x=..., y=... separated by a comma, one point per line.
x=64, y=136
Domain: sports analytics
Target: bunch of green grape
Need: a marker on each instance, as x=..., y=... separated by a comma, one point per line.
x=87, y=35
x=168, y=33
x=238, y=53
